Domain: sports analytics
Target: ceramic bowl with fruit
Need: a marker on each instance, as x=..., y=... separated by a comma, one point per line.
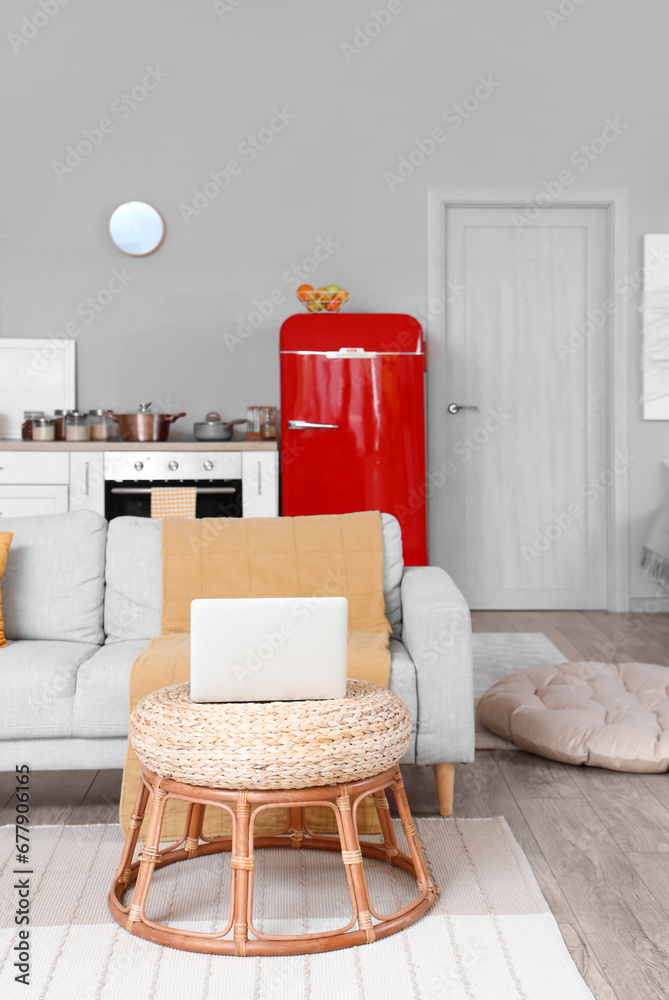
x=329, y=299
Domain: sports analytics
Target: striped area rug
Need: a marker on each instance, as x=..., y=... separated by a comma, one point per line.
x=489, y=936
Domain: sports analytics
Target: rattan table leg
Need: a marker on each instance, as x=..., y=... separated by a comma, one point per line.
x=352, y=856
x=241, y=863
x=123, y=872
x=409, y=828
x=194, y=830
x=386, y=824
x=149, y=857
x=296, y=829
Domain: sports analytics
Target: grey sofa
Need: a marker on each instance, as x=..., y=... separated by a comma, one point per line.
x=81, y=598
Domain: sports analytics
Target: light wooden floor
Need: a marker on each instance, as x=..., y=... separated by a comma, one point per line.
x=598, y=841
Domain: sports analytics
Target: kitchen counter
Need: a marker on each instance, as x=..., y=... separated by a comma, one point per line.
x=51, y=477
x=138, y=445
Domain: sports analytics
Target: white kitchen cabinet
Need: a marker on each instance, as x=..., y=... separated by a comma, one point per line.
x=22, y=501
x=260, y=483
x=34, y=467
x=33, y=483
x=87, y=481
x=41, y=481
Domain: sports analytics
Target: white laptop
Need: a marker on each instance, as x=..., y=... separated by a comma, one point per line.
x=268, y=648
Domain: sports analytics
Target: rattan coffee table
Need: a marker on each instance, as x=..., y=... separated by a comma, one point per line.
x=248, y=758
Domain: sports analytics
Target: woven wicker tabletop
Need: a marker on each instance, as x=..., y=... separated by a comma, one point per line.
x=271, y=745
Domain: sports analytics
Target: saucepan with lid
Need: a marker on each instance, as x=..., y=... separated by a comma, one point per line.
x=144, y=425
x=212, y=428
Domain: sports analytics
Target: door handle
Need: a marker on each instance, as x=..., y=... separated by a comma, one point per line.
x=456, y=407
x=137, y=491
x=303, y=425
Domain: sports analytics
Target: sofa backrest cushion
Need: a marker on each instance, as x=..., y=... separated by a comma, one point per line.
x=393, y=568
x=133, y=601
x=53, y=586
x=134, y=595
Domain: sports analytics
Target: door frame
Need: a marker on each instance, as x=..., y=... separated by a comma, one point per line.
x=614, y=200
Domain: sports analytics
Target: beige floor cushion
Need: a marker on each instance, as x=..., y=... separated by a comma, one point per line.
x=613, y=715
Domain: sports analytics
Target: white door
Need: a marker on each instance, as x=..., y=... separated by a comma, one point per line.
x=520, y=502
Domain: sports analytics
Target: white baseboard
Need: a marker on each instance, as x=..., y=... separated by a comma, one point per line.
x=649, y=605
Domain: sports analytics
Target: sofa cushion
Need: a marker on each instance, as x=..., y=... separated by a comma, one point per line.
x=101, y=697
x=403, y=683
x=39, y=679
x=65, y=754
x=134, y=594
x=135, y=584
x=393, y=568
x=53, y=587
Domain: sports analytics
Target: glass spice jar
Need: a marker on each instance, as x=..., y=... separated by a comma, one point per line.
x=268, y=423
x=44, y=429
x=27, y=426
x=77, y=427
x=253, y=424
x=59, y=421
x=102, y=427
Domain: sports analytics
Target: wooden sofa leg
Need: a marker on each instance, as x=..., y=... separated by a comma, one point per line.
x=445, y=775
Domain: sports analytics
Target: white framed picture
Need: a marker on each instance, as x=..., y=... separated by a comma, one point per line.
x=656, y=327
x=34, y=375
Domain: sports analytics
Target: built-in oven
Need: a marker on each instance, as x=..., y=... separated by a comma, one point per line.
x=130, y=477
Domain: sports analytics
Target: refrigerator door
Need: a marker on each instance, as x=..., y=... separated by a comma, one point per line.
x=352, y=414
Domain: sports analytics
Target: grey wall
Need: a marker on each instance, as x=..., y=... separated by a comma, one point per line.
x=322, y=177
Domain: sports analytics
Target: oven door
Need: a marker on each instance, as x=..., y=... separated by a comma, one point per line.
x=215, y=498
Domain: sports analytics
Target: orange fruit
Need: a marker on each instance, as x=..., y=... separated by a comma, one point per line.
x=334, y=305
x=314, y=305
x=342, y=294
x=303, y=291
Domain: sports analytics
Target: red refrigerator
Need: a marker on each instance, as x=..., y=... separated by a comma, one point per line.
x=352, y=419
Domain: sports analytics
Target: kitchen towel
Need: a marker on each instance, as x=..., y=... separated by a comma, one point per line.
x=326, y=555
x=177, y=501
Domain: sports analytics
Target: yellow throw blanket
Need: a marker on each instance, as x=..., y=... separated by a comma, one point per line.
x=330, y=555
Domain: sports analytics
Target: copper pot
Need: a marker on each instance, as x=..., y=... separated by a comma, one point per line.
x=144, y=426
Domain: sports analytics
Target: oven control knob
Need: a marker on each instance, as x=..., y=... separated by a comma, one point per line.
x=173, y=466
x=208, y=465
x=139, y=466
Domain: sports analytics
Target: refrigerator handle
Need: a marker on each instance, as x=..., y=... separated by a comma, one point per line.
x=303, y=425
